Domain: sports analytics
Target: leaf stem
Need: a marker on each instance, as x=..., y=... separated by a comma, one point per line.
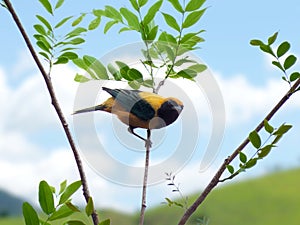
x=55, y=105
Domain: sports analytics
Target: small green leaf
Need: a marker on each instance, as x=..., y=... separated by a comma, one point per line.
x=98, y=12
x=44, y=45
x=283, y=48
x=294, y=76
x=194, y=5
x=81, y=79
x=75, y=222
x=267, y=49
x=171, y=21
x=30, y=215
x=199, y=68
x=111, y=12
x=63, y=21
x=73, y=207
x=116, y=74
x=76, y=32
x=243, y=157
x=265, y=151
x=134, y=4
x=63, y=186
x=105, y=222
x=176, y=5
x=70, y=190
x=124, y=29
x=152, y=34
x=123, y=70
x=46, y=198
x=187, y=73
x=45, y=22
x=189, y=36
x=59, y=3
x=134, y=74
x=142, y=2
x=69, y=55
x=95, y=65
x=152, y=12
x=278, y=65
x=63, y=212
x=94, y=23
x=289, y=61
x=148, y=83
x=230, y=169
x=80, y=63
x=193, y=18
x=255, y=139
x=272, y=39
x=78, y=20
x=256, y=42
x=61, y=60
x=44, y=54
x=251, y=163
x=77, y=41
x=134, y=84
x=283, y=129
x=109, y=24
x=268, y=127
x=89, y=209
x=131, y=18
x=40, y=29
x=47, y=6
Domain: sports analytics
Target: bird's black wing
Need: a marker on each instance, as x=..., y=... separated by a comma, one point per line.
x=132, y=102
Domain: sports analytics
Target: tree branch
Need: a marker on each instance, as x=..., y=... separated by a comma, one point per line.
x=144, y=194
x=56, y=106
x=216, y=179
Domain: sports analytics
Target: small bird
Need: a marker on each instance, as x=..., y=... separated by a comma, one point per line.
x=139, y=109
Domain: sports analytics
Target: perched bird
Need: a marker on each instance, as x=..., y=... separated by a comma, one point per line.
x=139, y=109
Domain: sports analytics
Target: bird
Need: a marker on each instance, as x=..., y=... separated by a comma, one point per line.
x=139, y=109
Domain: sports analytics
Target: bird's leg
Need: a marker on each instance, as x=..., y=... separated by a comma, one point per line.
x=147, y=141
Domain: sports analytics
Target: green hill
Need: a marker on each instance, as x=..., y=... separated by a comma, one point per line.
x=10, y=205
x=270, y=200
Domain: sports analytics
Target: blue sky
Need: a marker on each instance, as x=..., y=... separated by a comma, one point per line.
x=32, y=140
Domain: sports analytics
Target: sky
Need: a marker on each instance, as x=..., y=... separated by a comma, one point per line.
x=33, y=146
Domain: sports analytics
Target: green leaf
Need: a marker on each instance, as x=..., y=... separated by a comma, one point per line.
x=187, y=73
x=134, y=84
x=73, y=207
x=283, y=129
x=47, y=6
x=109, y=24
x=182, y=61
x=148, y=83
x=268, y=127
x=98, y=12
x=142, y=2
x=96, y=66
x=46, y=198
x=256, y=42
x=78, y=20
x=152, y=12
x=30, y=215
x=44, y=45
x=189, y=36
x=294, y=76
x=272, y=39
x=134, y=4
x=63, y=21
x=111, y=12
x=176, y=5
x=194, y=5
x=289, y=62
x=124, y=29
x=76, y=32
x=76, y=41
x=199, y=68
x=59, y=3
x=63, y=186
x=230, y=169
x=80, y=63
x=61, y=60
x=94, y=23
x=283, y=48
x=134, y=74
x=75, y=222
x=278, y=65
x=69, y=55
x=171, y=21
x=267, y=49
x=265, y=151
x=105, y=222
x=255, y=139
x=251, y=163
x=70, y=190
x=45, y=55
x=131, y=18
x=276, y=139
x=116, y=74
x=81, y=79
x=45, y=22
x=63, y=212
x=89, y=209
x=193, y=18
x=123, y=70
x=243, y=157
x=152, y=34
x=40, y=29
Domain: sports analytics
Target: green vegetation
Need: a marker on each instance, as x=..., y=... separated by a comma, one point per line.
x=272, y=199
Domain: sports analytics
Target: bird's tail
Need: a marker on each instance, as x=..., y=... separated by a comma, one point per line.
x=90, y=109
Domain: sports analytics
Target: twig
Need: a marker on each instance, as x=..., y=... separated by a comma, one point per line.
x=56, y=106
x=216, y=179
x=144, y=194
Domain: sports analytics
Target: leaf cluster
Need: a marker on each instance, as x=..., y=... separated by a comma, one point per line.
x=282, y=60
x=63, y=209
x=262, y=149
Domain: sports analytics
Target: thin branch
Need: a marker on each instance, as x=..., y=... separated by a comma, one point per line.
x=55, y=105
x=216, y=179
x=144, y=192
